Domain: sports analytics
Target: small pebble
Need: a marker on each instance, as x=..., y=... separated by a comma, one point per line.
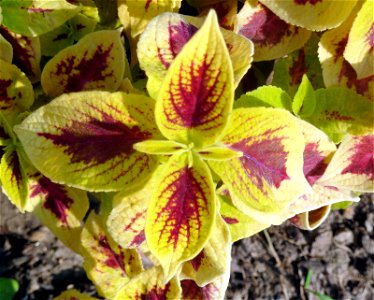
x=344, y=237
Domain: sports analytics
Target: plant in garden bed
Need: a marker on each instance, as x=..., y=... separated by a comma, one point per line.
x=181, y=169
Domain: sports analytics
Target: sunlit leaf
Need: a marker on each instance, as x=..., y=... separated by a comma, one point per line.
x=272, y=37
x=86, y=139
x=6, y=50
x=196, y=96
x=150, y=285
x=35, y=17
x=269, y=174
x=107, y=264
x=304, y=101
x=160, y=147
x=214, y=260
x=73, y=295
x=312, y=14
x=218, y=153
x=96, y=62
x=181, y=212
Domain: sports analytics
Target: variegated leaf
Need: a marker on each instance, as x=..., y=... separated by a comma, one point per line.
x=16, y=91
x=107, y=264
x=352, y=166
x=240, y=225
x=269, y=174
x=96, y=62
x=35, y=17
x=26, y=53
x=6, y=50
x=58, y=207
x=310, y=220
x=196, y=96
x=359, y=49
x=86, y=139
x=272, y=37
x=312, y=14
x=73, y=295
x=181, y=212
x=13, y=178
x=214, y=260
x=150, y=285
x=336, y=70
x=137, y=14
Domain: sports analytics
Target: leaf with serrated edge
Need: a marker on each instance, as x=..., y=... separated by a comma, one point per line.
x=272, y=37
x=312, y=14
x=352, y=166
x=269, y=174
x=181, y=212
x=73, y=295
x=359, y=48
x=96, y=62
x=107, y=264
x=150, y=285
x=214, y=260
x=6, y=50
x=13, y=178
x=196, y=96
x=240, y=225
x=58, y=207
x=85, y=139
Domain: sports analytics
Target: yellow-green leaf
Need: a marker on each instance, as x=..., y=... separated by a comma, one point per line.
x=6, y=50
x=160, y=147
x=196, y=97
x=218, y=153
x=107, y=264
x=96, y=62
x=310, y=220
x=181, y=212
x=73, y=295
x=86, y=139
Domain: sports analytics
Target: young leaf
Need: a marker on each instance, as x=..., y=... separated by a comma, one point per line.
x=214, y=260
x=312, y=14
x=340, y=111
x=8, y=288
x=96, y=62
x=352, y=166
x=269, y=174
x=160, y=147
x=35, y=17
x=73, y=295
x=310, y=220
x=272, y=37
x=218, y=153
x=107, y=264
x=358, y=51
x=181, y=212
x=6, y=50
x=150, y=285
x=195, y=99
x=304, y=101
x=26, y=53
x=58, y=207
x=86, y=139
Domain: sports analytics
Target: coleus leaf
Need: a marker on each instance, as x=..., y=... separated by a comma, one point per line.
x=358, y=51
x=181, y=212
x=16, y=91
x=107, y=264
x=312, y=14
x=35, y=17
x=96, y=62
x=58, y=207
x=269, y=174
x=240, y=225
x=352, y=166
x=13, y=178
x=6, y=50
x=150, y=285
x=289, y=70
x=340, y=111
x=73, y=295
x=272, y=37
x=336, y=70
x=310, y=220
x=304, y=101
x=166, y=36
x=26, y=53
x=86, y=139
x=214, y=260
x=137, y=14
x=64, y=36
x=196, y=96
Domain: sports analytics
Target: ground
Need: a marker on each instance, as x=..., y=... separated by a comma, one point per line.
x=340, y=255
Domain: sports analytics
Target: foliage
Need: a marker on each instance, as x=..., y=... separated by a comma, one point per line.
x=181, y=168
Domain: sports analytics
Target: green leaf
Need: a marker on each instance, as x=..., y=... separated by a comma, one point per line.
x=219, y=153
x=8, y=288
x=308, y=279
x=265, y=96
x=341, y=205
x=160, y=147
x=6, y=50
x=304, y=101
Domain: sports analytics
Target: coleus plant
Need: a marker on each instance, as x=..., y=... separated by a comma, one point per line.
x=180, y=169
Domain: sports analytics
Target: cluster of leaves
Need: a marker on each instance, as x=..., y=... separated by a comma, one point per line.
x=181, y=169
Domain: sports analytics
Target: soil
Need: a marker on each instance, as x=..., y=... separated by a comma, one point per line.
x=272, y=265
